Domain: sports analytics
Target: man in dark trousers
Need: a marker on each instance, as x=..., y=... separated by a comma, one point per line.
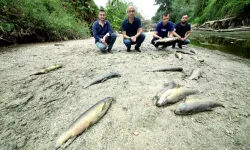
x=164, y=29
x=132, y=30
x=183, y=29
x=103, y=33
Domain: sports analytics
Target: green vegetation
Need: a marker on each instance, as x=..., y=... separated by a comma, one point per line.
x=200, y=11
x=45, y=20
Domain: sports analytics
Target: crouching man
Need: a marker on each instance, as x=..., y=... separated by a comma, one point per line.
x=103, y=33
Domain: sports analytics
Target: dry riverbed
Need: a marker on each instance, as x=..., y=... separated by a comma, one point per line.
x=35, y=110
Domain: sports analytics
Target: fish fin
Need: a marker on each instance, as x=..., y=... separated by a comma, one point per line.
x=69, y=142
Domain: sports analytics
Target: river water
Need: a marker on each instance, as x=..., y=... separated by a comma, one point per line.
x=236, y=43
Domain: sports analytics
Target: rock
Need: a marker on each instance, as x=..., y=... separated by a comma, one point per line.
x=21, y=142
x=136, y=133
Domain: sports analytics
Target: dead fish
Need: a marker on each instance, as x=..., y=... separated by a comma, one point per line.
x=172, y=96
x=197, y=59
x=166, y=39
x=104, y=78
x=88, y=118
x=46, y=70
x=167, y=69
x=188, y=108
x=196, y=74
x=170, y=85
x=58, y=44
x=178, y=55
x=184, y=51
x=192, y=51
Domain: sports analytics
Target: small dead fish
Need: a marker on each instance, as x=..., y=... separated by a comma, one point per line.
x=192, y=51
x=197, y=59
x=178, y=55
x=58, y=44
x=170, y=85
x=166, y=39
x=104, y=78
x=167, y=69
x=188, y=108
x=184, y=51
x=88, y=118
x=196, y=74
x=172, y=96
x=46, y=70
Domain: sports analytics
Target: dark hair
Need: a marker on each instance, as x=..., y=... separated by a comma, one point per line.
x=165, y=14
x=101, y=10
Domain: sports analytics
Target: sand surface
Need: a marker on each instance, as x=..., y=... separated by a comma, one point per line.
x=35, y=110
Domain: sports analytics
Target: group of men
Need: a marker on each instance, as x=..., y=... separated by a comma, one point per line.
x=133, y=33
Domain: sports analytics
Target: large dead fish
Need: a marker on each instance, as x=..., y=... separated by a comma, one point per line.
x=104, y=78
x=170, y=85
x=166, y=40
x=88, y=118
x=48, y=69
x=172, y=96
x=167, y=69
x=192, y=107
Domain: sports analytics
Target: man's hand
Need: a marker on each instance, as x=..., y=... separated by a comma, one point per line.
x=133, y=39
x=182, y=39
x=104, y=42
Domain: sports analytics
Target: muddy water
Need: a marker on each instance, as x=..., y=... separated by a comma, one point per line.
x=237, y=43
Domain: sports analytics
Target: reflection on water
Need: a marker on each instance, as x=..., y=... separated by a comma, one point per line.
x=237, y=43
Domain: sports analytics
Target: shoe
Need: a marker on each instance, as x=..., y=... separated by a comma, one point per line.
x=163, y=47
x=173, y=46
x=180, y=46
x=109, y=51
x=128, y=49
x=137, y=49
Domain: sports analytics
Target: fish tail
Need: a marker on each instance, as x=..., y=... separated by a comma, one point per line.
x=62, y=139
x=219, y=105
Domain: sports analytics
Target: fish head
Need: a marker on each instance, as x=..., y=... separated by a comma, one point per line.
x=161, y=102
x=180, y=109
x=107, y=102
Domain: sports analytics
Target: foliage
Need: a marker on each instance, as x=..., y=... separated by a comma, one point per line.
x=44, y=20
x=200, y=11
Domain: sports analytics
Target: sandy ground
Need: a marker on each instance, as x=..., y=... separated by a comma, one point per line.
x=35, y=110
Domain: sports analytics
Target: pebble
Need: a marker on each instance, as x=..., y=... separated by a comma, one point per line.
x=136, y=133
x=21, y=142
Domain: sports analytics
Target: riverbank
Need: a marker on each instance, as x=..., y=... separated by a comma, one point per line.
x=35, y=110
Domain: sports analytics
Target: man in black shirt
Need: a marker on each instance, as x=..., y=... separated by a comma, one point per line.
x=183, y=29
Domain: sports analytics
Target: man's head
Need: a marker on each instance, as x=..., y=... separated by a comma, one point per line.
x=130, y=11
x=184, y=19
x=101, y=15
x=165, y=18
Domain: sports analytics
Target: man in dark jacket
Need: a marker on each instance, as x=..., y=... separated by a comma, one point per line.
x=103, y=33
x=132, y=30
x=183, y=29
x=164, y=29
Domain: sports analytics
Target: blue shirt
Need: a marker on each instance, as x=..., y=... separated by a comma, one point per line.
x=99, y=32
x=181, y=30
x=162, y=31
x=131, y=29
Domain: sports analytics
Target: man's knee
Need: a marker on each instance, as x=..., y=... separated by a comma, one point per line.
x=142, y=36
x=187, y=41
x=101, y=47
x=127, y=42
x=113, y=35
